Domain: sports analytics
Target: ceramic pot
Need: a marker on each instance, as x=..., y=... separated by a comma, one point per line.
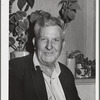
x=17, y=54
x=83, y=73
x=71, y=65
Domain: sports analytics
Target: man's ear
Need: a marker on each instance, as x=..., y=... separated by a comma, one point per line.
x=63, y=44
x=33, y=41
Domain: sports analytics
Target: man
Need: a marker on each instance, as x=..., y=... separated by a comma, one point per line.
x=40, y=76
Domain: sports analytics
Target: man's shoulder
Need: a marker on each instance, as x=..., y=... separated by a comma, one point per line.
x=65, y=69
x=18, y=66
x=21, y=60
x=20, y=63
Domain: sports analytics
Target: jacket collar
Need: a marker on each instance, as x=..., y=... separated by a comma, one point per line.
x=38, y=81
x=36, y=63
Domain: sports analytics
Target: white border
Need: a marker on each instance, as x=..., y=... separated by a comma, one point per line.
x=97, y=49
x=5, y=49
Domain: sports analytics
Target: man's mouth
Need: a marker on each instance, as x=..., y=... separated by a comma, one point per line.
x=48, y=53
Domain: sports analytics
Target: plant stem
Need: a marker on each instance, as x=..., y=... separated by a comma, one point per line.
x=14, y=47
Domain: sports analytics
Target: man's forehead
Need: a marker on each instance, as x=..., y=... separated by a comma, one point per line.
x=51, y=30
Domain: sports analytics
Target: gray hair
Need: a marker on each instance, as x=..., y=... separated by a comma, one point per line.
x=47, y=21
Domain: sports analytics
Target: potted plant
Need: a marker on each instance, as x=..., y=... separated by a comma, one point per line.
x=85, y=68
x=71, y=60
x=68, y=10
x=18, y=26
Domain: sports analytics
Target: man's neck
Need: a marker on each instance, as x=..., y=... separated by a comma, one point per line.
x=48, y=70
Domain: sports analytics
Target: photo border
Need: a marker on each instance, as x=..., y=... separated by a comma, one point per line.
x=5, y=49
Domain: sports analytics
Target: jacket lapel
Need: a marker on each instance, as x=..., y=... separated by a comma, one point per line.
x=39, y=84
x=65, y=80
x=64, y=83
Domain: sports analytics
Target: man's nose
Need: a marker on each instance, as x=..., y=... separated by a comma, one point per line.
x=49, y=45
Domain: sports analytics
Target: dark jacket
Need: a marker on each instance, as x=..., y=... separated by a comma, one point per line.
x=26, y=83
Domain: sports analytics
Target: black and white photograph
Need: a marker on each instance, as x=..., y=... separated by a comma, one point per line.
x=49, y=50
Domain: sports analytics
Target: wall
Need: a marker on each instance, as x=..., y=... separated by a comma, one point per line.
x=90, y=25
x=86, y=92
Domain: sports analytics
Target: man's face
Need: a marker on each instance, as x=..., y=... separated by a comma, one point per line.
x=49, y=44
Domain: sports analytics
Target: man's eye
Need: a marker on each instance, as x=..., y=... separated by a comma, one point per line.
x=43, y=39
x=56, y=40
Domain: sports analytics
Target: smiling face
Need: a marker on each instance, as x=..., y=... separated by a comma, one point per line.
x=49, y=44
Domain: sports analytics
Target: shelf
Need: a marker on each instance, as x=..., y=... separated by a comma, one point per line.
x=87, y=81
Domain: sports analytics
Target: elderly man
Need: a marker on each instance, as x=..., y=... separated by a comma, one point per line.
x=40, y=76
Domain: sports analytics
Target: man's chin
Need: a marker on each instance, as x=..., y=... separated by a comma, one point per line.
x=49, y=61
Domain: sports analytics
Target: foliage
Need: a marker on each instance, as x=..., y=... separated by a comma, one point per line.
x=87, y=64
x=68, y=10
x=11, y=43
x=18, y=25
x=73, y=54
x=38, y=14
x=21, y=4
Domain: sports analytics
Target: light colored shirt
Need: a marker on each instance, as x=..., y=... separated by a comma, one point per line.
x=53, y=85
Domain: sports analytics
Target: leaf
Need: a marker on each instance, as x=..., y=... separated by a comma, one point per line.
x=12, y=19
x=11, y=41
x=24, y=39
x=18, y=30
x=21, y=13
x=27, y=7
x=71, y=14
x=18, y=17
x=11, y=27
x=44, y=14
x=24, y=25
x=34, y=16
x=75, y=6
x=30, y=2
x=78, y=71
x=72, y=1
x=64, y=15
x=62, y=2
x=76, y=52
x=21, y=4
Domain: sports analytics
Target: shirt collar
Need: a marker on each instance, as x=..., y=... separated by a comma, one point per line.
x=36, y=63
